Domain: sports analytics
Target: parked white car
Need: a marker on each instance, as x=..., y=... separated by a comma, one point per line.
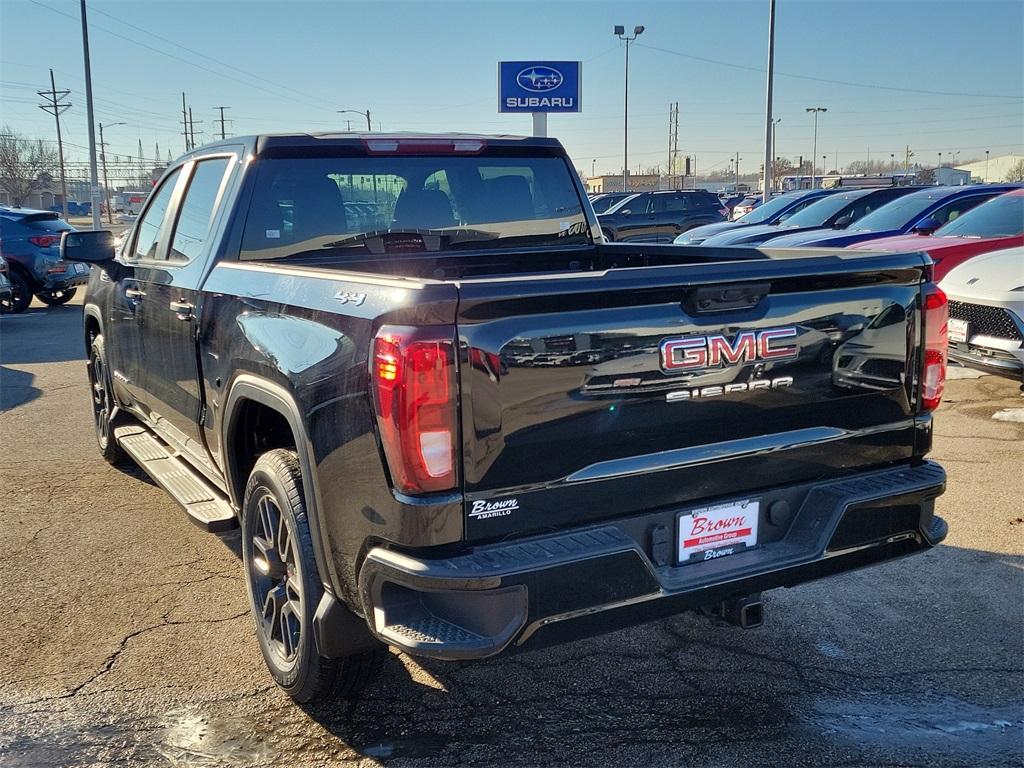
x=986, y=312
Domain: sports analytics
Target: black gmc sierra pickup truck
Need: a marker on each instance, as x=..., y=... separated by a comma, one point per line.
x=449, y=417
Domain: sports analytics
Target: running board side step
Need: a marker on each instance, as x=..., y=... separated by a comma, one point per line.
x=206, y=506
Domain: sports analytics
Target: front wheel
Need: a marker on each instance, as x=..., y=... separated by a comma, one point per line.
x=104, y=409
x=57, y=296
x=285, y=588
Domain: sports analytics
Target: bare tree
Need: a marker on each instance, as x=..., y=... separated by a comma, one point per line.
x=1016, y=172
x=25, y=165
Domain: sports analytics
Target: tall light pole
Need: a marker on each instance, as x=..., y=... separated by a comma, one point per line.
x=775, y=154
x=892, y=163
x=814, y=151
x=94, y=181
x=593, y=168
x=366, y=114
x=620, y=32
x=103, y=159
x=769, y=125
x=986, y=167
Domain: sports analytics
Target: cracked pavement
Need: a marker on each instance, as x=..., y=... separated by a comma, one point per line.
x=127, y=640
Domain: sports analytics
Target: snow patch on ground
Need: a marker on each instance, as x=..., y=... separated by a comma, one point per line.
x=1009, y=414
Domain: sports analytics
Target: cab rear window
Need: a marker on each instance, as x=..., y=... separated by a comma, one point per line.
x=407, y=203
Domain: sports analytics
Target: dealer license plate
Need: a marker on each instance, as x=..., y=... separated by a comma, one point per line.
x=724, y=529
x=958, y=330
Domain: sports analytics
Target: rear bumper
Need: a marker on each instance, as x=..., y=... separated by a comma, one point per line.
x=69, y=277
x=586, y=581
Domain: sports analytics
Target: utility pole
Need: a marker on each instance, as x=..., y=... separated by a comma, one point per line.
x=620, y=32
x=769, y=152
x=799, y=170
x=191, y=129
x=184, y=121
x=906, y=163
x=94, y=182
x=892, y=163
x=814, y=150
x=56, y=107
x=673, y=140
x=985, y=180
x=221, y=121
x=737, y=187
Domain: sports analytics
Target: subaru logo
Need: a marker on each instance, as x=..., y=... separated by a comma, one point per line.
x=539, y=79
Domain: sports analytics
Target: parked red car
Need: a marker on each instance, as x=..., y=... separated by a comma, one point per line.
x=993, y=225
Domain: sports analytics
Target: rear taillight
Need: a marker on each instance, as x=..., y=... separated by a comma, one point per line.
x=44, y=241
x=413, y=374
x=423, y=146
x=936, y=331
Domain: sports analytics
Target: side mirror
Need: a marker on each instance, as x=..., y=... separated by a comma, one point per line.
x=92, y=247
x=843, y=222
x=626, y=212
x=927, y=226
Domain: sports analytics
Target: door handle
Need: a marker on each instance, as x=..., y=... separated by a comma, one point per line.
x=134, y=293
x=182, y=309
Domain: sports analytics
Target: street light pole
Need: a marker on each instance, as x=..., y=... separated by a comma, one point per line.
x=620, y=32
x=94, y=182
x=366, y=114
x=103, y=160
x=769, y=125
x=814, y=151
x=986, y=167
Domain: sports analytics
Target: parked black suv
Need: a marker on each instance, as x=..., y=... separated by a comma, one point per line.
x=658, y=217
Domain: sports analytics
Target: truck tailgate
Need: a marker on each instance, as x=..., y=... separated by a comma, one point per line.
x=598, y=394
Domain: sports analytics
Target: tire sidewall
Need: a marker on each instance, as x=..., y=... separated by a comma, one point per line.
x=292, y=678
x=67, y=294
x=109, y=448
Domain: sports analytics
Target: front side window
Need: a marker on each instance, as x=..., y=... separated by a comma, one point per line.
x=196, y=213
x=405, y=203
x=150, y=228
x=821, y=211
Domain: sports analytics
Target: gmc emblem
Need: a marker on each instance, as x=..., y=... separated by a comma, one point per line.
x=691, y=353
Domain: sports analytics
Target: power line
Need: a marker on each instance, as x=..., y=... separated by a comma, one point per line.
x=876, y=86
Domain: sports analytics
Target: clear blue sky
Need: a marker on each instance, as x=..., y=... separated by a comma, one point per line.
x=432, y=66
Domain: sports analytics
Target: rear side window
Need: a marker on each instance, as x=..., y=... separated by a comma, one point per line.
x=147, y=241
x=196, y=214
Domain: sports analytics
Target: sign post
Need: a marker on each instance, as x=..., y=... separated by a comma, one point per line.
x=539, y=87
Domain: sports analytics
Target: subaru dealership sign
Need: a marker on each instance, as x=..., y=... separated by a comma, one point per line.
x=539, y=86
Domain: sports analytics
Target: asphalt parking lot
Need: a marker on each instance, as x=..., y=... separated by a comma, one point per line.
x=126, y=639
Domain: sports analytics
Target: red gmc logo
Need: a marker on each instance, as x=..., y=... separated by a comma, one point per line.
x=691, y=353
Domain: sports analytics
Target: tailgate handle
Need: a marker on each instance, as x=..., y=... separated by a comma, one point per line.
x=722, y=298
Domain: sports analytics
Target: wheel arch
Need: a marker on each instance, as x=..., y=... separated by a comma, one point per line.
x=248, y=395
x=92, y=324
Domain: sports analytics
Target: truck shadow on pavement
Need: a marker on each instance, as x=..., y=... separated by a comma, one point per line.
x=866, y=667
x=39, y=335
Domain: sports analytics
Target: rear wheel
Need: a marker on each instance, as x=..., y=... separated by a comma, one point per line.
x=56, y=296
x=285, y=587
x=21, y=295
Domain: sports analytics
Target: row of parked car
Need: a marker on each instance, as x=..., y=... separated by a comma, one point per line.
x=974, y=234
x=30, y=263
